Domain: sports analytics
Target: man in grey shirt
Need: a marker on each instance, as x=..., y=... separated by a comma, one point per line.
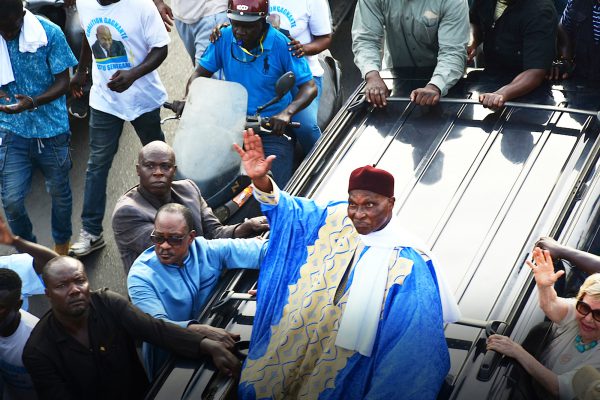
x=425, y=33
x=133, y=217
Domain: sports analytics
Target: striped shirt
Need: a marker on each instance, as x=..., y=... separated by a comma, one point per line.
x=569, y=23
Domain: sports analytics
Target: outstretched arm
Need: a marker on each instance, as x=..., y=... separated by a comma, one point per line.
x=587, y=262
x=41, y=254
x=523, y=83
x=506, y=346
x=554, y=307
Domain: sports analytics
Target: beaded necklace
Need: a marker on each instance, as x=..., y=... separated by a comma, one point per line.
x=581, y=347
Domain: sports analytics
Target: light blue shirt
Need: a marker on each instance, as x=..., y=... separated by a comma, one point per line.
x=22, y=264
x=178, y=294
x=34, y=74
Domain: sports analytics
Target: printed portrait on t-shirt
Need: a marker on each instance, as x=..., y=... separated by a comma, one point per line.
x=109, y=44
x=105, y=46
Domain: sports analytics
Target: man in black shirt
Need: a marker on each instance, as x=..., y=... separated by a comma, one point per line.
x=84, y=347
x=519, y=40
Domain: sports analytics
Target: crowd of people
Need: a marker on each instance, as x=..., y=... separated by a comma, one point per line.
x=335, y=280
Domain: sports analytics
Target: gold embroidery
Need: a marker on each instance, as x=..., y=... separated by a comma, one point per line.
x=302, y=360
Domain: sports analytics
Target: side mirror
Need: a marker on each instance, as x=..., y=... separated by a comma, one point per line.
x=284, y=84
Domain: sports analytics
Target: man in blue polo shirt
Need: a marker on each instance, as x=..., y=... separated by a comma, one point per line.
x=254, y=54
x=34, y=124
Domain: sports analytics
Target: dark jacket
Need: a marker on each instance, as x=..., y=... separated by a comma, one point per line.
x=116, y=50
x=524, y=37
x=586, y=50
x=133, y=218
x=62, y=368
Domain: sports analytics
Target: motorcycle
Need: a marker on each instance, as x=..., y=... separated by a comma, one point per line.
x=218, y=171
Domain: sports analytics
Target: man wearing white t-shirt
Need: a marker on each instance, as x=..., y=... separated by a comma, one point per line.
x=15, y=327
x=194, y=20
x=126, y=87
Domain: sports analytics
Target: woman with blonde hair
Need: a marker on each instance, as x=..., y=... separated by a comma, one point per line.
x=574, y=336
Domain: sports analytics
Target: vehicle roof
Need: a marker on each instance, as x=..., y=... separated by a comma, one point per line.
x=479, y=187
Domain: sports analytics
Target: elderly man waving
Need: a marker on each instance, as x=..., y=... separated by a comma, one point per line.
x=342, y=297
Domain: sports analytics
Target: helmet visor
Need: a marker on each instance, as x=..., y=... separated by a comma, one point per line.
x=236, y=16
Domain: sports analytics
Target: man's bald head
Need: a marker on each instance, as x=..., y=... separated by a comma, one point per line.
x=58, y=264
x=156, y=146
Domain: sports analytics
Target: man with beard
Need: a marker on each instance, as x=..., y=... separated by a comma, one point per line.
x=84, y=347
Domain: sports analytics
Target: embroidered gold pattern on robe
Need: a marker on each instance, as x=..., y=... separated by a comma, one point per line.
x=302, y=360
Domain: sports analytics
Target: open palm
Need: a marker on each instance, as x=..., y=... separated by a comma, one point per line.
x=253, y=156
x=543, y=269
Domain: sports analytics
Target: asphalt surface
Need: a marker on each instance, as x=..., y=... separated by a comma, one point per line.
x=104, y=267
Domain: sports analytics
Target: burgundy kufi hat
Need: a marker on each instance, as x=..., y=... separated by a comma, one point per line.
x=372, y=179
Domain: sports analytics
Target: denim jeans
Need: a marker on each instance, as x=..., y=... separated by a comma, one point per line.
x=195, y=37
x=105, y=131
x=309, y=131
x=283, y=165
x=18, y=158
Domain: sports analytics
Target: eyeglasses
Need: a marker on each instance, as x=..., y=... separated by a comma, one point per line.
x=246, y=60
x=172, y=240
x=584, y=309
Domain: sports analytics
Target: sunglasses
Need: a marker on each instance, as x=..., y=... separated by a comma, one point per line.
x=584, y=309
x=172, y=240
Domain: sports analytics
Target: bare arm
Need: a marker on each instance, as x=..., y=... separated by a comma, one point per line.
x=554, y=307
x=80, y=77
x=523, y=83
x=306, y=93
x=504, y=345
x=165, y=13
x=318, y=44
x=587, y=262
x=41, y=254
x=200, y=71
x=59, y=87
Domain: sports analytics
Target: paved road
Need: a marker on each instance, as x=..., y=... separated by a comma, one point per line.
x=104, y=267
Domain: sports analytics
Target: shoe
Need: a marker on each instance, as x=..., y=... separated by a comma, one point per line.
x=78, y=109
x=62, y=249
x=86, y=244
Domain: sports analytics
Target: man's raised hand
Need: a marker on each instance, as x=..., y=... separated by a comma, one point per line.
x=253, y=156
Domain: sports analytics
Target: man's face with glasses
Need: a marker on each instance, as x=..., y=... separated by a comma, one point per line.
x=588, y=318
x=171, y=238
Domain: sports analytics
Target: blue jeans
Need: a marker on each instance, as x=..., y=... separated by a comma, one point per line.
x=18, y=157
x=283, y=165
x=309, y=131
x=195, y=37
x=105, y=131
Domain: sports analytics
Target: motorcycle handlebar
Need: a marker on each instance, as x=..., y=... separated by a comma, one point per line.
x=168, y=105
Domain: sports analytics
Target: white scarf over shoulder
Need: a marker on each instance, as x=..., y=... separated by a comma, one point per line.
x=360, y=320
x=32, y=37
